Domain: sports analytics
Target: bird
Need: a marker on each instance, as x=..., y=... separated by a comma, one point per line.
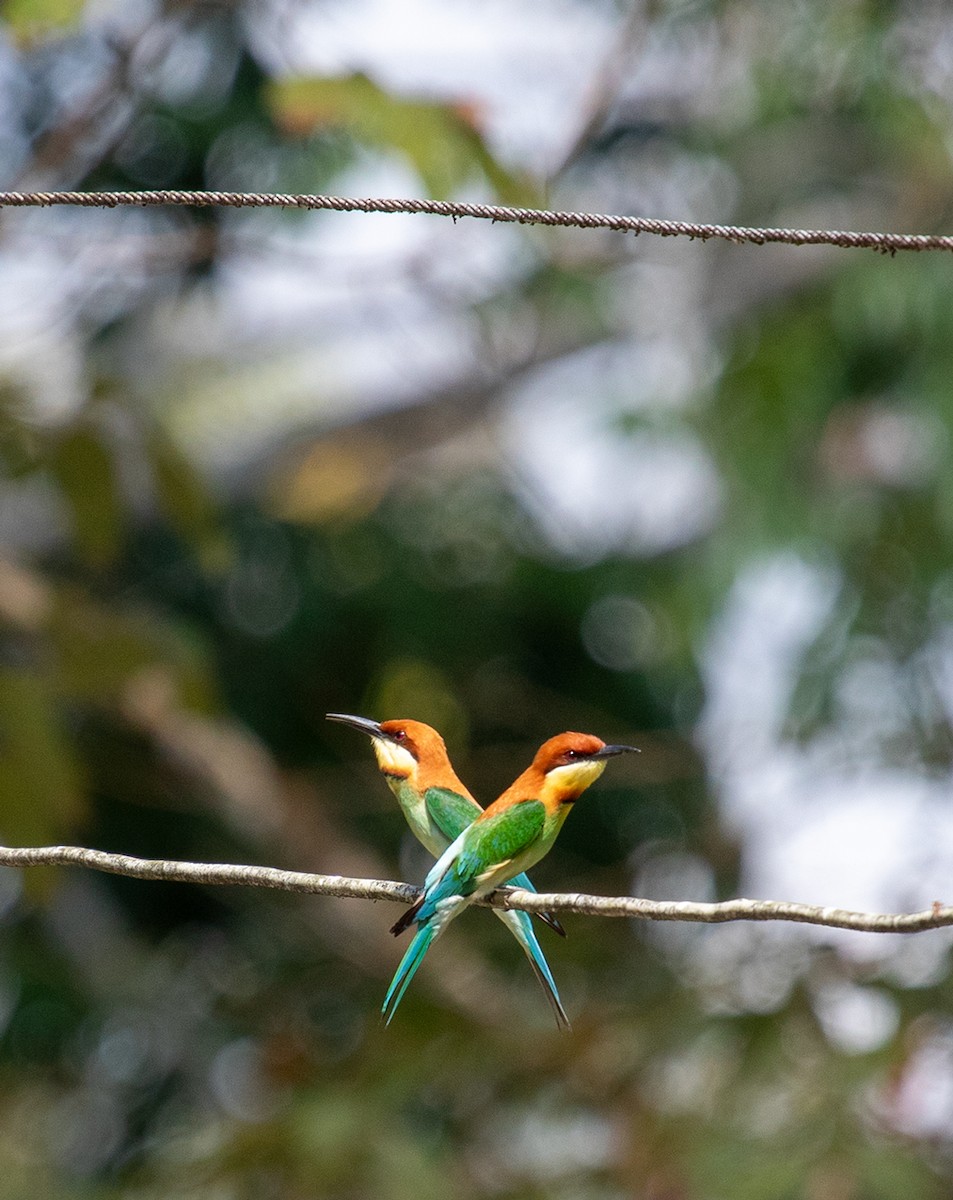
x=508, y=837
x=413, y=758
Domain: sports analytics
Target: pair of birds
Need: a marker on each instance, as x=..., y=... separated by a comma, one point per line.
x=478, y=849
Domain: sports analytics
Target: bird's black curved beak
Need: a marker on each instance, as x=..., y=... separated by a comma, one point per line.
x=364, y=724
x=612, y=751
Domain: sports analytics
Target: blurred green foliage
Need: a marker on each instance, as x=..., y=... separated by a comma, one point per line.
x=442, y=143
x=186, y=588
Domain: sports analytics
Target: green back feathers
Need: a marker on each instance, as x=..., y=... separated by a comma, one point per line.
x=450, y=812
x=501, y=837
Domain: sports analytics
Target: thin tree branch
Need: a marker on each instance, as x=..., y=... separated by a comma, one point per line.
x=207, y=873
x=886, y=243
x=938, y=916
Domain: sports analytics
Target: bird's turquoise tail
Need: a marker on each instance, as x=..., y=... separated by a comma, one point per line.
x=523, y=881
x=407, y=969
x=521, y=926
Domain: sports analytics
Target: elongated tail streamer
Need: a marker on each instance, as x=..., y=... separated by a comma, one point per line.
x=406, y=971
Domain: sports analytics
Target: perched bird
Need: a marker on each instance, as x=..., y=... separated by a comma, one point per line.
x=515, y=832
x=413, y=759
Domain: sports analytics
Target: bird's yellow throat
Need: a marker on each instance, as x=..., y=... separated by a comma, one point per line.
x=393, y=759
x=565, y=784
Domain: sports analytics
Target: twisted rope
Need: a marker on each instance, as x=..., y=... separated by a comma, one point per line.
x=885, y=243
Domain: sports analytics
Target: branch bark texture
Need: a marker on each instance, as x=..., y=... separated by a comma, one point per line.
x=939, y=916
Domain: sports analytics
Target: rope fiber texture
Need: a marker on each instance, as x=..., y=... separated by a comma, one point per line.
x=885, y=243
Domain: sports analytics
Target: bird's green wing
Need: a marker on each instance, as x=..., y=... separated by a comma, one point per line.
x=487, y=843
x=450, y=812
x=498, y=839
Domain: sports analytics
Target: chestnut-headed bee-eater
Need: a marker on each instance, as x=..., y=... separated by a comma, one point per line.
x=438, y=807
x=507, y=838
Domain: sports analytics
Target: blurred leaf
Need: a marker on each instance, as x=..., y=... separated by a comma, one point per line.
x=390, y=1162
x=187, y=504
x=415, y=686
x=31, y=19
x=84, y=468
x=18, y=441
x=340, y=478
x=101, y=651
x=889, y=1170
x=442, y=141
x=40, y=798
